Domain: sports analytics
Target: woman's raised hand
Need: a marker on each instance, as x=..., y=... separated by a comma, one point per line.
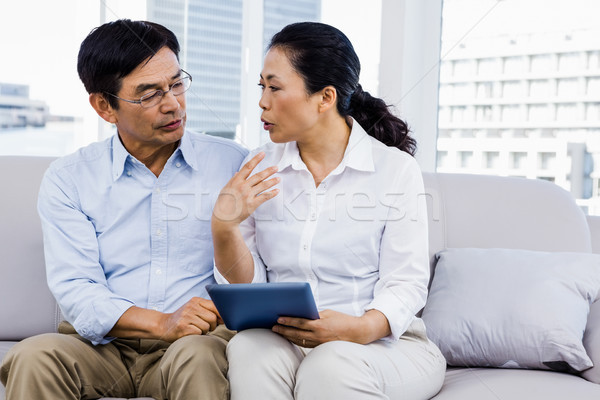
x=244, y=193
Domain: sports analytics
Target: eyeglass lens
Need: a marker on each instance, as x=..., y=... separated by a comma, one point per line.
x=176, y=88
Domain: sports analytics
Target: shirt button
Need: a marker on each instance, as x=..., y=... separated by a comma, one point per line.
x=305, y=247
x=158, y=271
x=178, y=164
x=128, y=173
x=158, y=232
x=157, y=190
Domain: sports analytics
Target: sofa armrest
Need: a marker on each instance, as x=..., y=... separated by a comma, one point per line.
x=591, y=342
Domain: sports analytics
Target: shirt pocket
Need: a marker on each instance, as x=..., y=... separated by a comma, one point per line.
x=194, y=244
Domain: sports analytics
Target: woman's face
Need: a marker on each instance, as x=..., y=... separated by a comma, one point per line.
x=289, y=113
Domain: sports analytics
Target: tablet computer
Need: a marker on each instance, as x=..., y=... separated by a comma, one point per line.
x=258, y=305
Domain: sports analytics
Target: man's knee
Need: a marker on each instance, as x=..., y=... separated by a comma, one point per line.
x=197, y=351
x=33, y=356
x=35, y=351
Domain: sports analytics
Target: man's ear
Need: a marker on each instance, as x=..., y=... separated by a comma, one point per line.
x=328, y=98
x=103, y=107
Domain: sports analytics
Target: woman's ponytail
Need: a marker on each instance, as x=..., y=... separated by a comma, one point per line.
x=375, y=117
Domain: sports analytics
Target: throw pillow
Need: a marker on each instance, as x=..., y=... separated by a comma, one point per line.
x=512, y=308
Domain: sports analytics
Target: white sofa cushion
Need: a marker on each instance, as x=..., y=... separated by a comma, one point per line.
x=512, y=384
x=512, y=308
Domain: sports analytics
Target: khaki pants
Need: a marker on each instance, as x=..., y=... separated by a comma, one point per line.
x=65, y=366
x=411, y=368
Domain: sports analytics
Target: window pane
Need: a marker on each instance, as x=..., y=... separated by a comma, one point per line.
x=525, y=76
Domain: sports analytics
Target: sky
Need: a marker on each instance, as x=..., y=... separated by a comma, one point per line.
x=39, y=39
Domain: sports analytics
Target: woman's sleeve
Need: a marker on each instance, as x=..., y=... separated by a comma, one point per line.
x=401, y=290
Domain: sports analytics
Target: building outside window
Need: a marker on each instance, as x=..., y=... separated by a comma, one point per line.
x=541, y=61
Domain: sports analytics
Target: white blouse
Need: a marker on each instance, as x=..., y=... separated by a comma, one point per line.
x=359, y=238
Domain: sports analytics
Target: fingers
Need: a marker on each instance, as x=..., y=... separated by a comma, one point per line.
x=297, y=336
x=208, y=304
x=299, y=323
x=259, y=177
x=247, y=169
x=207, y=313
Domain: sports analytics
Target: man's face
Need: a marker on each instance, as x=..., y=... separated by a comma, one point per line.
x=144, y=130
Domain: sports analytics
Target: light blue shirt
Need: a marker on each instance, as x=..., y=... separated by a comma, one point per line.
x=116, y=236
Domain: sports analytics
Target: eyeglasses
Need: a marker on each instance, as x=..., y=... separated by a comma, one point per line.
x=151, y=99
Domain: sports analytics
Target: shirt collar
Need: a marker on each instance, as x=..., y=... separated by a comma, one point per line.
x=358, y=154
x=120, y=154
x=187, y=151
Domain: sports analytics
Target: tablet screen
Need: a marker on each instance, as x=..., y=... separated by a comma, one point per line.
x=258, y=305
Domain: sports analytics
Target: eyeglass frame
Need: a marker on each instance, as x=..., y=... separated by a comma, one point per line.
x=154, y=92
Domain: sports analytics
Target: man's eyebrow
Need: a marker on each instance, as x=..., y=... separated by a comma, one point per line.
x=142, y=87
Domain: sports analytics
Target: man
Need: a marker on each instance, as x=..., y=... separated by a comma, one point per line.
x=127, y=238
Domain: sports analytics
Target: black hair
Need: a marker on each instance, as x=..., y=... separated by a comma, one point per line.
x=111, y=51
x=324, y=56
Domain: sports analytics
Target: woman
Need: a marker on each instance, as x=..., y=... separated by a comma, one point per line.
x=346, y=220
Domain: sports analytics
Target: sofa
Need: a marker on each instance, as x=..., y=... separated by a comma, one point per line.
x=464, y=211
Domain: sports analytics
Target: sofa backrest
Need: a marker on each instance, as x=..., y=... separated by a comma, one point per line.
x=502, y=212
x=463, y=211
x=26, y=305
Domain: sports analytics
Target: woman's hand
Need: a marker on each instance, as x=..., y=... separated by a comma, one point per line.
x=333, y=325
x=244, y=193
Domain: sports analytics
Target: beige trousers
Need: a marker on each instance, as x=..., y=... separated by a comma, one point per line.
x=263, y=365
x=65, y=366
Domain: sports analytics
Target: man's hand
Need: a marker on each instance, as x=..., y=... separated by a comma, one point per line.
x=333, y=325
x=196, y=317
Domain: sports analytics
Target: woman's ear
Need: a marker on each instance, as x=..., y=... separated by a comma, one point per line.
x=328, y=98
x=103, y=107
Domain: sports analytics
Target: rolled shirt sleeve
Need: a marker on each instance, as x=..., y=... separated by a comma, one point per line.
x=74, y=273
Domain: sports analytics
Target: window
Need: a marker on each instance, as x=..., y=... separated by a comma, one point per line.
x=593, y=112
x=593, y=59
x=568, y=87
x=483, y=113
x=593, y=86
x=442, y=159
x=54, y=116
x=567, y=112
x=542, y=63
x=514, y=65
x=466, y=159
x=463, y=68
x=511, y=113
x=492, y=159
x=540, y=88
x=568, y=62
x=518, y=159
x=512, y=89
x=546, y=161
x=539, y=112
x=536, y=86
x=485, y=90
x=488, y=66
